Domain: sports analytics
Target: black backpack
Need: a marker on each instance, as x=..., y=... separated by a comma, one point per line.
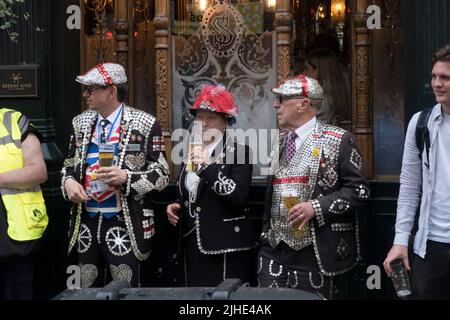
x=422, y=134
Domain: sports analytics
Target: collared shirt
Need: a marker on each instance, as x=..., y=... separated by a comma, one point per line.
x=303, y=131
x=417, y=179
x=439, y=221
x=113, y=116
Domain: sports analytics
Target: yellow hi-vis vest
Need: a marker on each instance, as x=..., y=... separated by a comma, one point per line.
x=25, y=209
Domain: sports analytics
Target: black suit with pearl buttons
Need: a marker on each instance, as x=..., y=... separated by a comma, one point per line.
x=216, y=233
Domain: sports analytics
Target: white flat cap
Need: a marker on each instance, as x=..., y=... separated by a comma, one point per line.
x=301, y=86
x=104, y=74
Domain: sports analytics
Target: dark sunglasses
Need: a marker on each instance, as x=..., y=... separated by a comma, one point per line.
x=282, y=99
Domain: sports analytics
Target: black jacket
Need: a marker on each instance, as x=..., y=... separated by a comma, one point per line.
x=221, y=222
x=146, y=167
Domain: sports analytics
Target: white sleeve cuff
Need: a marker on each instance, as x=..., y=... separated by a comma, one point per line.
x=401, y=239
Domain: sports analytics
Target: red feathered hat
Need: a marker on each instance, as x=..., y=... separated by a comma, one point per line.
x=216, y=99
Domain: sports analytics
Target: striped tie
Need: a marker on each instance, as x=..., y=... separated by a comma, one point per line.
x=290, y=146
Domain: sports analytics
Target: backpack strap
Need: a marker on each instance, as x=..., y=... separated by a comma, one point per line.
x=423, y=134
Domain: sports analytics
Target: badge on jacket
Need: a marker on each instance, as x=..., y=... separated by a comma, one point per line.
x=134, y=147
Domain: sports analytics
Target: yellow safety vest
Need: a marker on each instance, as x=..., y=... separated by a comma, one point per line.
x=26, y=212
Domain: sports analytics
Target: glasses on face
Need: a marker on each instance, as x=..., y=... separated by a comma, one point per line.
x=92, y=89
x=282, y=99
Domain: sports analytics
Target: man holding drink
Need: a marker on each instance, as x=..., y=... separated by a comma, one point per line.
x=289, y=198
x=310, y=227
x=216, y=233
x=424, y=186
x=116, y=161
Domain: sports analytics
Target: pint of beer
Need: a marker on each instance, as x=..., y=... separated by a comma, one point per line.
x=191, y=166
x=106, y=155
x=289, y=198
x=196, y=141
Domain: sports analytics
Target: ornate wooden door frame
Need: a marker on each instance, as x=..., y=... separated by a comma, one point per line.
x=361, y=70
x=122, y=41
x=122, y=46
x=362, y=84
x=163, y=88
x=283, y=19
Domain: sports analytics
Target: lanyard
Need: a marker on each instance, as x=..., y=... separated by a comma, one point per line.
x=110, y=130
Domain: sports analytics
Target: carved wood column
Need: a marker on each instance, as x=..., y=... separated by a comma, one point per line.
x=82, y=43
x=122, y=28
x=362, y=84
x=283, y=20
x=163, y=73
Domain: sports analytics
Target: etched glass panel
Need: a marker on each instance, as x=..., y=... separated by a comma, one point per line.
x=232, y=43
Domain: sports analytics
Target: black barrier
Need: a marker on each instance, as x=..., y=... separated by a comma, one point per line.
x=230, y=289
x=112, y=290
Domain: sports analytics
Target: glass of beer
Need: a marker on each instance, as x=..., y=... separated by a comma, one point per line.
x=290, y=198
x=106, y=155
x=191, y=165
x=196, y=141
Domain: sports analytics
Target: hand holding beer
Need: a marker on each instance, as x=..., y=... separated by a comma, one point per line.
x=112, y=176
x=299, y=216
x=298, y=213
x=198, y=155
x=289, y=198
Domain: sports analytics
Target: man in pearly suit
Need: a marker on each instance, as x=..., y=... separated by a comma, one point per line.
x=307, y=243
x=112, y=218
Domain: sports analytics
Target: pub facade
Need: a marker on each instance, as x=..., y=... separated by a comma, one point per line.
x=171, y=47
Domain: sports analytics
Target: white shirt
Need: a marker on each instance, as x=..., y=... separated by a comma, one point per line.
x=113, y=116
x=439, y=221
x=416, y=183
x=303, y=131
